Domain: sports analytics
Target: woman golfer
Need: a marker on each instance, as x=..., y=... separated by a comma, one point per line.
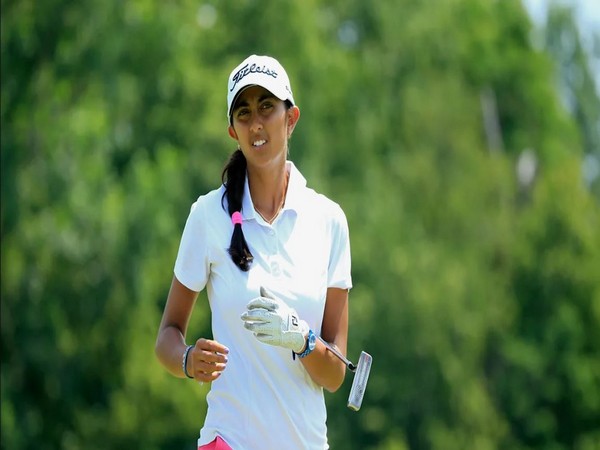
x=274, y=256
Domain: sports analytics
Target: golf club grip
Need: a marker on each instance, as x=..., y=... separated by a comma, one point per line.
x=337, y=353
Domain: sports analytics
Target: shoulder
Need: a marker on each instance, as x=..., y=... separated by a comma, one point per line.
x=324, y=205
x=311, y=199
x=209, y=201
x=209, y=210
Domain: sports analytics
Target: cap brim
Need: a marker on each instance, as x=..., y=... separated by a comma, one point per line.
x=235, y=99
x=250, y=83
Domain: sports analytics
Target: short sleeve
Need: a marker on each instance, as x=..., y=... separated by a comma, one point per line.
x=339, y=275
x=192, y=265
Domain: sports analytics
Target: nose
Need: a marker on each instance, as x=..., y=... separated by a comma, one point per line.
x=256, y=123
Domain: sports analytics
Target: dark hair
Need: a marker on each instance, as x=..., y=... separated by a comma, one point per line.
x=233, y=177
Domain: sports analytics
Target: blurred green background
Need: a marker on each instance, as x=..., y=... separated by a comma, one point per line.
x=461, y=139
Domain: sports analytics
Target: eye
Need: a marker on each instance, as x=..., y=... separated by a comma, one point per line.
x=266, y=105
x=242, y=112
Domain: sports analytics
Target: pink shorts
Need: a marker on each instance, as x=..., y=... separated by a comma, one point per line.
x=217, y=444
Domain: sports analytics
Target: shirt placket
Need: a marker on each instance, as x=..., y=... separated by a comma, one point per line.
x=274, y=256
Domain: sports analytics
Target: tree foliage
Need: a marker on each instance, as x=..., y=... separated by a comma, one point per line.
x=476, y=290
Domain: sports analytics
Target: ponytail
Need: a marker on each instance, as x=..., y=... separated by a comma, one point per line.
x=233, y=177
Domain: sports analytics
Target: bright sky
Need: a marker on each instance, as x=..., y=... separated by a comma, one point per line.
x=588, y=17
x=588, y=12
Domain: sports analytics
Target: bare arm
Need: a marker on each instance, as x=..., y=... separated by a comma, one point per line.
x=323, y=366
x=207, y=359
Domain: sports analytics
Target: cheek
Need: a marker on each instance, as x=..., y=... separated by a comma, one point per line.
x=279, y=125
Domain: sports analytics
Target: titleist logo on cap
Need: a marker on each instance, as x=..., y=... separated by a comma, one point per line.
x=248, y=69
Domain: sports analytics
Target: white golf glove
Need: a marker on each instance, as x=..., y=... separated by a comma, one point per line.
x=273, y=322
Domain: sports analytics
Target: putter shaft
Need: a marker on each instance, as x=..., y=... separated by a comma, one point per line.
x=337, y=353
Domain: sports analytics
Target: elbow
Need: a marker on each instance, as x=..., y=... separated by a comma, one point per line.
x=335, y=383
x=332, y=388
x=158, y=348
x=157, y=354
x=157, y=343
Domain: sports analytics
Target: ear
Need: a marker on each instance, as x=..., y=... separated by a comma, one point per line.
x=232, y=132
x=293, y=115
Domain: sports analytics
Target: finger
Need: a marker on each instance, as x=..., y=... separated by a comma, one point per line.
x=249, y=325
x=205, y=356
x=207, y=365
x=266, y=338
x=262, y=303
x=254, y=326
x=259, y=318
x=212, y=346
x=206, y=377
x=261, y=327
x=257, y=315
x=210, y=366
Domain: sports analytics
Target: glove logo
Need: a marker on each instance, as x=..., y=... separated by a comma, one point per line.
x=295, y=321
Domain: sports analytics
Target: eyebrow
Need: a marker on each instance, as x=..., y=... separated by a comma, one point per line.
x=242, y=103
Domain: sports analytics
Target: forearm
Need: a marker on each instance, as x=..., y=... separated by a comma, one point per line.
x=169, y=349
x=170, y=341
x=324, y=367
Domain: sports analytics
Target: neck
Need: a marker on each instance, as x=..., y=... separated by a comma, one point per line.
x=268, y=193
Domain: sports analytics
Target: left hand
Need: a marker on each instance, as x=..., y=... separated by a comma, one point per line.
x=207, y=360
x=273, y=322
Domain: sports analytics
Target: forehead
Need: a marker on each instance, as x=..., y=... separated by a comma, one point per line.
x=252, y=94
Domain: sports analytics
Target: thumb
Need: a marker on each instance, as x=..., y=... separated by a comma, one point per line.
x=264, y=292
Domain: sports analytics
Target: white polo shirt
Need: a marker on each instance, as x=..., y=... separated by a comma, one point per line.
x=264, y=399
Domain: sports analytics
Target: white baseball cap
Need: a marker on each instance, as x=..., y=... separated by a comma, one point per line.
x=262, y=71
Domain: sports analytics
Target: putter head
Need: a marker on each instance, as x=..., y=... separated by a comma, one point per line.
x=359, y=384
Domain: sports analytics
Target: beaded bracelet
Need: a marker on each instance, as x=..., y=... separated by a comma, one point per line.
x=185, y=357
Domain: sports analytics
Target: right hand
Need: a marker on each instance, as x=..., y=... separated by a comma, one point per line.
x=207, y=360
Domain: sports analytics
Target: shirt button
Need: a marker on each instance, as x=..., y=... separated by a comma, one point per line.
x=272, y=232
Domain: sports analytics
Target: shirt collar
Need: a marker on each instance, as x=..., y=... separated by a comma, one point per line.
x=296, y=184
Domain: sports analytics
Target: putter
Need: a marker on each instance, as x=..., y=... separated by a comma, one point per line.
x=361, y=375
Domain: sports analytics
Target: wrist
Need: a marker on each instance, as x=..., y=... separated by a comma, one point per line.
x=310, y=343
x=304, y=344
x=301, y=337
